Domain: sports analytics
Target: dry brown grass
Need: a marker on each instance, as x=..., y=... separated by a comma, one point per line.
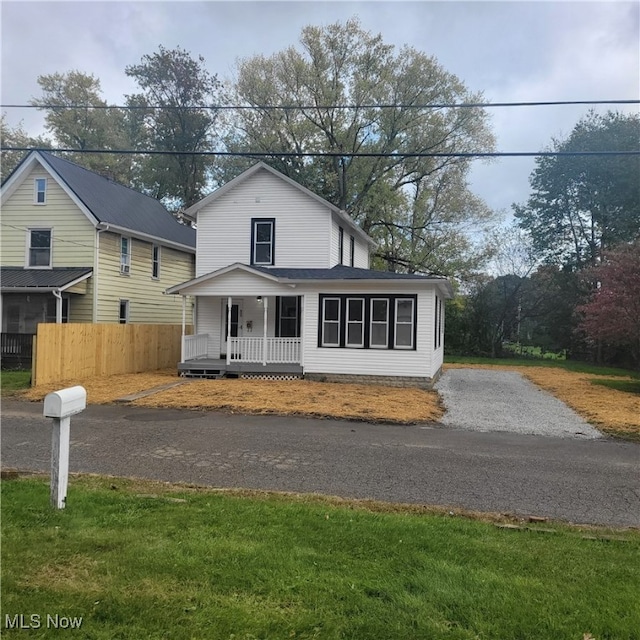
x=614, y=412
x=372, y=403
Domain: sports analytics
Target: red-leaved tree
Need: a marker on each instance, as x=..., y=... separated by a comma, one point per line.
x=612, y=315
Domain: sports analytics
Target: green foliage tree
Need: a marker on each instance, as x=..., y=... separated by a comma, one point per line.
x=79, y=118
x=419, y=209
x=15, y=137
x=583, y=205
x=172, y=113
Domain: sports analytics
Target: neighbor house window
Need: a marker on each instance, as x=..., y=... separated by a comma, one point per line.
x=155, y=262
x=288, y=317
x=39, y=247
x=355, y=322
x=330, y=322
x=404, y=323
x=379, y=331
x=40, y=191
x=125, y=255
x=124, y=312
x=340, y=244
x=352, y=251
x=263, y=231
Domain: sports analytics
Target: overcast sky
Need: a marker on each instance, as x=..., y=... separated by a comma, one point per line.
x=510, y=51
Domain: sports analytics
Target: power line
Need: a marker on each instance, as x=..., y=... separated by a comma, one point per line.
x=293, y=107
x=336, y=154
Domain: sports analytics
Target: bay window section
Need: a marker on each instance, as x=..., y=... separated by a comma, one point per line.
x=404, y=323
x=330, y=322
x=355, y=322
x=379, y=332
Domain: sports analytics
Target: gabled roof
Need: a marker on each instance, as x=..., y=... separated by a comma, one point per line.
x=109, y=203
x=15, y=279
x=261, y=166
x=339, y=273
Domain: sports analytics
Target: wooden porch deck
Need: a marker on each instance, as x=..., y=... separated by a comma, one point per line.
x=218, y=368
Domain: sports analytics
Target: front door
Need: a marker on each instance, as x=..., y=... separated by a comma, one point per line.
x=236, y=323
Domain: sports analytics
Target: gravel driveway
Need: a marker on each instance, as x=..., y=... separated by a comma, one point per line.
x=484, y=400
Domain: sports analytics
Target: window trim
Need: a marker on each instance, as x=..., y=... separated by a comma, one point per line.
x=324, y=321
x=411, y=324
x=30, y=231
x=340, y=245
x=37, y=191
x=127, y=311
x=352, y=251
x=254, y=241
x=355, y=345
x=378, y=322
x=125, y=265
x=391, y=299
x=156, y=257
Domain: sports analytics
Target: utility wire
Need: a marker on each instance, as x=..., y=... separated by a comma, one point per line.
x=335, y=154
x=293, y=107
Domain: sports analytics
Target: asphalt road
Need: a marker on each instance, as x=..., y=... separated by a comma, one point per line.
x=579, y=480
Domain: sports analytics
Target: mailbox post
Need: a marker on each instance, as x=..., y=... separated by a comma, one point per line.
x=61, y=405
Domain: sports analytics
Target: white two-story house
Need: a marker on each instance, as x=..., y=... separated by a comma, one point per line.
x=283, y=288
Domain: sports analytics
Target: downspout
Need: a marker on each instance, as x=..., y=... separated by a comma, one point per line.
x=96, y=265
x=58, y=295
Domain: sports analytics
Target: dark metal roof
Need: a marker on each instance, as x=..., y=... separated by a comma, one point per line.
x=19, y=278
x=115, y=204
x=340, y=272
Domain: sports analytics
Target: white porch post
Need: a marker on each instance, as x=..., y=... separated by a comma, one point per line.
x=58, y=296
x=229, y=303
x=264, y=331
x=184, y=325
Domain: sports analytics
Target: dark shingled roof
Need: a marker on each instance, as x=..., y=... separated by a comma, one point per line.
x=339, y=272
x=19, y=278
x=115, y=204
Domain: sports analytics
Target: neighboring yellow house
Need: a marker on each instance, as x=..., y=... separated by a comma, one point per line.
x=77, y=247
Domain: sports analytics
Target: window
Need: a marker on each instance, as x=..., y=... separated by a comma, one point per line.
x=366, y=321
x=155, y=262
x=352, y=251
x=40, y=191
x=124, y=312
x=330, y=322
x=379, y=331
x=288, y=317
x=263, y=240
x=340, y=244
x=125, y=255
x=355, y=322
x=40, y=247
x=404, y=323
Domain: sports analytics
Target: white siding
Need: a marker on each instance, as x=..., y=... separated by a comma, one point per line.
x=361, y=253
x=240, y=283
x=224, y=226
x=418, y=362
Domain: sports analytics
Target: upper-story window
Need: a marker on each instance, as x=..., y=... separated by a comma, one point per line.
x=263, y=234
x=340, y=245
x=40, y=247
x=40, y=191
x=352, y=250
x=125, y=255
x=155, y=261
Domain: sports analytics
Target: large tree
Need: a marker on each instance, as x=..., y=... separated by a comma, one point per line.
x=582, y=205
x=345, y=92
x=15, y=137
x=174, y=112
x=78, y=117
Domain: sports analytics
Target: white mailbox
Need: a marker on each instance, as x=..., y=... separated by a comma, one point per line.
x=66, y=402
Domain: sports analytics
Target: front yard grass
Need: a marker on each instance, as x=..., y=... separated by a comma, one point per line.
x=12, y=381
x=139, y=559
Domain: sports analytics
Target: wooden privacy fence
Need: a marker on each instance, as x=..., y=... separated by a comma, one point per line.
x=72, y=351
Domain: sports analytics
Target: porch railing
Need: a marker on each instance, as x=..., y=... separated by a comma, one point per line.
x=194, y=347
x=271, y=350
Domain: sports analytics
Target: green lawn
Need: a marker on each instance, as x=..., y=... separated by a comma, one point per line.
x=569, y=365
x=11, y=381
x=200, y=564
